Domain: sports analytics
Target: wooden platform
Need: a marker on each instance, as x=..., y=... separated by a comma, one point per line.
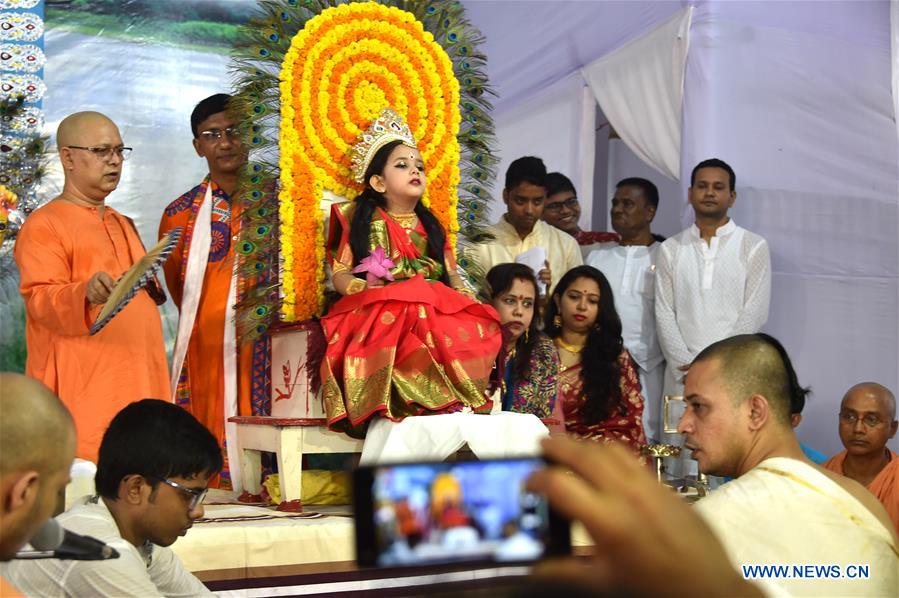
x=254, y=551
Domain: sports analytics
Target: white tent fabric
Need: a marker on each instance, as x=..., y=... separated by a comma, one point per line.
x=640, y=88
x=804, y=116
x=894, y=43
x=555, y=126
x=532, y=44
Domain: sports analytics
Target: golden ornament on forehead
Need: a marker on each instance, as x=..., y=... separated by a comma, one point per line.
x=389, y=126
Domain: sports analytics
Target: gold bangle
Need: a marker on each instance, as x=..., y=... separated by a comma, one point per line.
x=356, y=285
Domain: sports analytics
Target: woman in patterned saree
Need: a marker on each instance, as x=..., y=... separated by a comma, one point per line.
x=599, y=386
x=528, y=365
x=401, y=342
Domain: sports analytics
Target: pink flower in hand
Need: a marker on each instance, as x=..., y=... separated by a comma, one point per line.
x=376, y=266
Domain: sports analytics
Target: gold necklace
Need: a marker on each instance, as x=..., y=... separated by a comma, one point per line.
x=404, y=220
x=568, y=346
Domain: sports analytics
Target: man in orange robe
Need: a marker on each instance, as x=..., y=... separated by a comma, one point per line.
x=867, y=422
x=69, y=253
x=214, y=376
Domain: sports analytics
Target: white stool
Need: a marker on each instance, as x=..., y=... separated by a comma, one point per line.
x=290, y=439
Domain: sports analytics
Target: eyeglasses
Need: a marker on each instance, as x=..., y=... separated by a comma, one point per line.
x=558, y=205
x=196, y=495
x=104, y=152
x=851, y=417
x=213, y=135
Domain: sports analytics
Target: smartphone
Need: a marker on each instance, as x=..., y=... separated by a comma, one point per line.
x=433, y=513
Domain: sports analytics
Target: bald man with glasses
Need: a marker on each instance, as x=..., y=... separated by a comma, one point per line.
x=70, y=252
x=867, y=423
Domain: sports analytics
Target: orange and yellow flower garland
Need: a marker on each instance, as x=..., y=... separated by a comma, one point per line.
x=8, y=201
x=342, y=68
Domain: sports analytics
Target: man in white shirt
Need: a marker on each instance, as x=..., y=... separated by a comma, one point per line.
x=713, y=280
x=520, y=229
x=155, y=462
x=815, y=526
x=629, y=266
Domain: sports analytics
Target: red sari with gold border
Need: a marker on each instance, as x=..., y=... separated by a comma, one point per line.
x=412, y=347
x=625, y=426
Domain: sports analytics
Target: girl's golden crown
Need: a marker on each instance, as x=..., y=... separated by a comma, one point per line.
x=389, y=126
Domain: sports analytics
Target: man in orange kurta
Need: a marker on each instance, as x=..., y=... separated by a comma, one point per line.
x=214, y=374
x=69, y=253
x=867, y=422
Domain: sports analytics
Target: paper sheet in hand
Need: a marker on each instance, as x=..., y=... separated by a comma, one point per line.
x=535, y=259
x=135, y=278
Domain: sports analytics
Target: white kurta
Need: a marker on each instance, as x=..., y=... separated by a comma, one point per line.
x=563, y=252
x=786, y=512
x=709, y=292
x=148, y=570
x=630, y=271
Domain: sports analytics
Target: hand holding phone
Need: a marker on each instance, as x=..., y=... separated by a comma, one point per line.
x=429, y=513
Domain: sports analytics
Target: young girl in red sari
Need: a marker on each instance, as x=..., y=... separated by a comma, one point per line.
x=598, y=383
x=401, y=341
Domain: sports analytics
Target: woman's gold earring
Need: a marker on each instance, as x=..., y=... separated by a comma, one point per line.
x=557, y=321
x=525, y=336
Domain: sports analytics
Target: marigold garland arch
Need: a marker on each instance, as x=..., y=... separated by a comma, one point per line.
x=311, y=77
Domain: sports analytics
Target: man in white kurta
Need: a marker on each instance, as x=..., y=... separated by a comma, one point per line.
x=713, y=280
x=629, y=266
x=145, y=570
x=781, y=509
x=520, y=229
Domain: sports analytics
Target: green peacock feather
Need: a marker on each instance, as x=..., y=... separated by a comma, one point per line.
x=256, y=66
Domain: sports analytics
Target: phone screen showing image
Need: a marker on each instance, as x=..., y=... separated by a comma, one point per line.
x=428, y=513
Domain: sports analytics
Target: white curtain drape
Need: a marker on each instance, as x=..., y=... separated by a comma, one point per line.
x=553, y=125
x=803, y=113
x=640, y=88
x=894, y=48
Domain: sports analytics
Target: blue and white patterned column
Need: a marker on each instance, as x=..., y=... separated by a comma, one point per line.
x=22, y=66
x=22, y=156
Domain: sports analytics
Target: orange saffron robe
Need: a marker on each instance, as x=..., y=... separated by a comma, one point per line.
x=885, y=486
x=7, y=590
x=59, y=248
x=201, y=389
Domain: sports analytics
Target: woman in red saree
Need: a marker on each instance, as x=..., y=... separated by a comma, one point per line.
x=598, y=383
x=401, y=341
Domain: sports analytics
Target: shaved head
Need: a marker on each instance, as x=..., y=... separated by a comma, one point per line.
x=33, y=425
x=76, y=127
x=879, y=392
x=37, y=445
x=92, y=164
x=867, y=420
x=757, y=364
